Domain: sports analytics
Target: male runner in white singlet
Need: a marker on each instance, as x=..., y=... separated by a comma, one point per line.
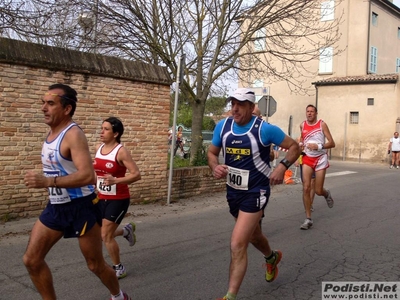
x=72, y=210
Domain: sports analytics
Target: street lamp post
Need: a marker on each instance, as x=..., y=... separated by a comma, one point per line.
x=88, y=21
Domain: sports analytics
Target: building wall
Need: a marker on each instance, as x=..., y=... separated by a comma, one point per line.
x=384, y=37
x=358, y=34
x=368, y=140
x=354, y=41
x=136, y=93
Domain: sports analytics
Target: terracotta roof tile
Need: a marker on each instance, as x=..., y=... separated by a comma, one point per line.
x=370, y=78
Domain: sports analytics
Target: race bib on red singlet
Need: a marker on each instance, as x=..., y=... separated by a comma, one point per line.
x=106, y=189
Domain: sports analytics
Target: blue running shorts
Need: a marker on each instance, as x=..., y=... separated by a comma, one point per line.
x=250, y=202
x=74, y=218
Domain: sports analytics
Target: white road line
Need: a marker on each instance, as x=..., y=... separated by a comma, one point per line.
x=340, y=173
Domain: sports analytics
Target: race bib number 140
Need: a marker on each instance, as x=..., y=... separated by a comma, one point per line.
x=238, y=178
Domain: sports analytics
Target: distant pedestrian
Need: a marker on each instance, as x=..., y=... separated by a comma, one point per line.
x=394, y=146
x=246, y=142
x=315, y=138
x=111, y=162
x=179, y=141
x=169, y=136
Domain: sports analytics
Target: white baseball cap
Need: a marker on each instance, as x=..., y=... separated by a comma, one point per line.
x=243, y=94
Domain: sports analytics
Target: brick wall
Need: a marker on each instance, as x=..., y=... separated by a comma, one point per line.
x=135, y=92
x=189, y=182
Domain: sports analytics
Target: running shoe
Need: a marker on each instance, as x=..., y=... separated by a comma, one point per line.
x=391, y=167
x=329, y=199
x=307, y=224
x=120, y=271
x=272, y=266
x=131, y=236
x=126, y=297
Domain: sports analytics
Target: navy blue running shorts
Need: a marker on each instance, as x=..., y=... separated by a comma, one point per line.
x=114, y=210
x=250, y=202
x=74, y=218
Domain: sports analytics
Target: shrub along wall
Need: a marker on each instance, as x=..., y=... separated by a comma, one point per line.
x=135, y=92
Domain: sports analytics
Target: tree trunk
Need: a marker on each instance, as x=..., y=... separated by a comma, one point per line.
x=197, y=124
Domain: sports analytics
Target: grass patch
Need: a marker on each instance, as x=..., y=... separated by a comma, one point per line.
x=179, y=162
x=201, y=159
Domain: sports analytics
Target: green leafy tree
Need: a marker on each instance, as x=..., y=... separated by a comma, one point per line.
x=208, y=123
x=215, y=105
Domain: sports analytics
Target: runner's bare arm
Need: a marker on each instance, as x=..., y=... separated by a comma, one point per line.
x=219, y=171
x=124, y=157
x=330, y=142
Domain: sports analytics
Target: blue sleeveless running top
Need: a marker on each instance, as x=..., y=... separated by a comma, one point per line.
x=246, y=151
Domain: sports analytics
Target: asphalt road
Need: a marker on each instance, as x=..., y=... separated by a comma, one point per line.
x=183, y=249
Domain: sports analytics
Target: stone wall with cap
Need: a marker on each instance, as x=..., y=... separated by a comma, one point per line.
x=135, y=92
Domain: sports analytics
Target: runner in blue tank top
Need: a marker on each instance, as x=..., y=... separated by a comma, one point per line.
x=245, y=141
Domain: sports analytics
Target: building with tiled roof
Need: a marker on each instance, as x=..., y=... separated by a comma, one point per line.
x=356, y=91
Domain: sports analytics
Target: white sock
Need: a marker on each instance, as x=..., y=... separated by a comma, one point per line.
x=125, y=233
x=120, y=296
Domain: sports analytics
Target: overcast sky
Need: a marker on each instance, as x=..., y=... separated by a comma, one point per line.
x=397, y=2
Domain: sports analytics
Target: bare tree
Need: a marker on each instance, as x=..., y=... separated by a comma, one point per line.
x=55, y=23
x=217, y=37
